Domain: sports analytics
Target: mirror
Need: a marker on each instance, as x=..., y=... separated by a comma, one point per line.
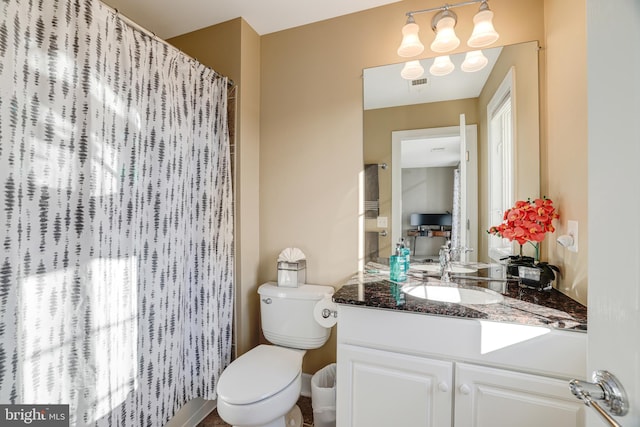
x=499, y=105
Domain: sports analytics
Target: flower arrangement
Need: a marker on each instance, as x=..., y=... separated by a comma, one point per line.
x=528, y=222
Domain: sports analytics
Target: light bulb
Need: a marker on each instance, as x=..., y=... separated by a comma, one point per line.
x=483, y=32
x=442, y=66
x=443, y=24
x=474, y=61
x=411, y=45
x=412, y=70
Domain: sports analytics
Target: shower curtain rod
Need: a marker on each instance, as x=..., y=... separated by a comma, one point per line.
x=124, y=18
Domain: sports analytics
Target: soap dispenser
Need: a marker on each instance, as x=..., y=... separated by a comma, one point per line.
x=397, y=266
x=406, y=252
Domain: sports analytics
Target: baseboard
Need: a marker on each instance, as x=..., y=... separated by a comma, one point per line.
x=306, y=385
x=192, y=413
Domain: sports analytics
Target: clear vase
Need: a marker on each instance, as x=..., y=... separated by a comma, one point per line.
x=536, y=251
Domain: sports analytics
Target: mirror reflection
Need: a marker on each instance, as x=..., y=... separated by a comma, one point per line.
x=446, y=155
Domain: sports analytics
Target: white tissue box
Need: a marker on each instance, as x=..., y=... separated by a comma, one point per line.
x=292, y=273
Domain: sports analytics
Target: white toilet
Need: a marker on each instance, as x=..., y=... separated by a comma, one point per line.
x=262, y=386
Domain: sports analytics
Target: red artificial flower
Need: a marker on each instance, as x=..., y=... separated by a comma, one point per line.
x=527, y=221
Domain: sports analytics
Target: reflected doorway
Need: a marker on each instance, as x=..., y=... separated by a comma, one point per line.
x=438, y=176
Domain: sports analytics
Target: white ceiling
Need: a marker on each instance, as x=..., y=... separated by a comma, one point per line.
x=169, y=18
x=430, y=152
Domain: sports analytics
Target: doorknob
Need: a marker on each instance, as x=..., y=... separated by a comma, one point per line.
x=605, y=388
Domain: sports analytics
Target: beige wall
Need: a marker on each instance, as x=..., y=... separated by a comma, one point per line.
x=564, y=156
x=233, y=49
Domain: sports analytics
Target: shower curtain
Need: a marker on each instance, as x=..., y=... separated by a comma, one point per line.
x=116, y=268
x=456, y=220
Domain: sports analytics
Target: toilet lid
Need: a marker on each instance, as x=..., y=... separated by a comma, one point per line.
x=259, y=374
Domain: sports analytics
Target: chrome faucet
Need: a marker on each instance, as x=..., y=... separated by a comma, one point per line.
x=445, y=262
x=447, y=253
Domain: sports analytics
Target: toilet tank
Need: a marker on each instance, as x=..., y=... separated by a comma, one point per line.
x=287, y=315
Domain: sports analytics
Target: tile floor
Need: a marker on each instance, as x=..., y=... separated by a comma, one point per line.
x=214, y=420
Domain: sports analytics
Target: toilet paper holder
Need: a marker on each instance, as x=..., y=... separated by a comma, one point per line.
x=326, y=313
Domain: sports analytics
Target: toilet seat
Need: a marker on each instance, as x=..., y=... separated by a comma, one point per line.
x=259, y=374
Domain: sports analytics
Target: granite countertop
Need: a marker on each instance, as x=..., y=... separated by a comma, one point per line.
x=372, y=288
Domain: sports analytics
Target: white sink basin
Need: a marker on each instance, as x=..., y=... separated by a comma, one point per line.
x=472, y=295
x=435, y=268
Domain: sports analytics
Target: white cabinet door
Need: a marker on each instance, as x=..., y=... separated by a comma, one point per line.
x=488, y=397
x=382, y=389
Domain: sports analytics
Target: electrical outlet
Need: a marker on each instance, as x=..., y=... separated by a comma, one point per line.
x=382, y=222
x=572, y=230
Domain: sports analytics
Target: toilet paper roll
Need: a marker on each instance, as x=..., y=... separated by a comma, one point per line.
x=326, y=312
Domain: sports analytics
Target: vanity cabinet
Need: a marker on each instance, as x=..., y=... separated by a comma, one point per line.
x=410, y=369
x=489, y=397
x=384, y=388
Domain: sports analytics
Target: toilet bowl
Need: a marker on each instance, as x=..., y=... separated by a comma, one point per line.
x=260, y=387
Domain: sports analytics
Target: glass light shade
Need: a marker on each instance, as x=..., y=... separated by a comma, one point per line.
x=483, y=32
x=411, y=45
x=474, y=61
x=442, y=66
x=412, y=70
x=446, y=39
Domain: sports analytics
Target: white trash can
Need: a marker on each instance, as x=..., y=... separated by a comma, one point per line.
x=323, y=396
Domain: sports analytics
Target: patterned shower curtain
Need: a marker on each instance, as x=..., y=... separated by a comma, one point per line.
x=116, y=217
x=456, y=220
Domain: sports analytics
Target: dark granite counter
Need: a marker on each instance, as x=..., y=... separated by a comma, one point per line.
x=373, y=289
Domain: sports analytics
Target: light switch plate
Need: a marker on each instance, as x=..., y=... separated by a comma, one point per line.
x=383, y=222
x=572, y=230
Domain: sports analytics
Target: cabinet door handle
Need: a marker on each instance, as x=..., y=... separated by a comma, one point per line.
x=465, y=389
x=443, y=386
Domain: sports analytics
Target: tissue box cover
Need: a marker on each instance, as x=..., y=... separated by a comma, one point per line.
x=292, y=273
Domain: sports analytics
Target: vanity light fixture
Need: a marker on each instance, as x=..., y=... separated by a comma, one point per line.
x=412, y=70
x=474, y=61
x=411, y=45
x=443, y=24
x=441, y=66
x=483, y=32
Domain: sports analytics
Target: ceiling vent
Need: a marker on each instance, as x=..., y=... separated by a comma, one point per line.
x=419, y=82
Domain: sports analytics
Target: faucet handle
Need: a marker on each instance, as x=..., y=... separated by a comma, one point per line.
x=458, y=252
